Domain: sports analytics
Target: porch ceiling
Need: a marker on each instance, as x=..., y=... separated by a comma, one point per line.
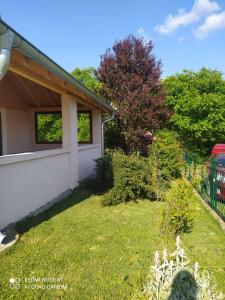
x=16, y=92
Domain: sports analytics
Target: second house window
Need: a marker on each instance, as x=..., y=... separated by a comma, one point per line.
x=48, y=127
x=84, y=120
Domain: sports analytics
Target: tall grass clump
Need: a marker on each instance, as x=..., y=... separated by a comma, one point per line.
x=166, y=159
x=177, y=212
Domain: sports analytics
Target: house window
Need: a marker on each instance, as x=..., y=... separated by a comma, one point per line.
x=84, y=125
x=48, y=127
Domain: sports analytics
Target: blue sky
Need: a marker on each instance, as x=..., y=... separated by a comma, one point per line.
x=186, y=33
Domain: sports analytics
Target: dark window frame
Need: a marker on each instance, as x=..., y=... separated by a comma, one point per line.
x=91, y=131
x=59, y=112
x=36, y=126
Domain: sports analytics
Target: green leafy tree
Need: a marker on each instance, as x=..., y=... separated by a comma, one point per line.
x=197, y=100
x=84, y=127
x=113, y=137
x=87, y=77
x=49, y=127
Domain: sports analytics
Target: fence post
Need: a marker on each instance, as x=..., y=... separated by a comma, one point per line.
x=213, y=185
x=185, y=165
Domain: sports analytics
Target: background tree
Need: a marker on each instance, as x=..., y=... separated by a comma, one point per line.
x=49, y=127
x=130, y=76
x=113, y=138
x=198, y=102
x=88, y=78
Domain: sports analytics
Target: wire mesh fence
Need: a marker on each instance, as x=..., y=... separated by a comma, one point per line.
x=209, y=180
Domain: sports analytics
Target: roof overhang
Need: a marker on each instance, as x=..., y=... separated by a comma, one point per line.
x=29, y=62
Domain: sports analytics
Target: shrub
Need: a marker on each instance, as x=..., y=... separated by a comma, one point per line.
x=131, y=176
x=103, y=170
x=103, y=179
x=178, y=212
x=166, y=153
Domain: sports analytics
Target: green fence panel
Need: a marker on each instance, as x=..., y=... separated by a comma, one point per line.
x=209, y=181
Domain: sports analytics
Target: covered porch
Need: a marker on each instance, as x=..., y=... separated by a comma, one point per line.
x=26, y=105
x=38, y=169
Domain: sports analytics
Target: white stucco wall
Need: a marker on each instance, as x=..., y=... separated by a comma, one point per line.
x=28, y=181
x=96, y=126
x=16, y=131
x=87, y=155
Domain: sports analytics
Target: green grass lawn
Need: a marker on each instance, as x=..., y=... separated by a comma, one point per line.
x=100, y=252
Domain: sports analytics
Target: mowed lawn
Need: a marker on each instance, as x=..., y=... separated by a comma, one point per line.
x=100, y=252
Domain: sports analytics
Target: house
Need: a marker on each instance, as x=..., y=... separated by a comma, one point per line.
x=33, y=168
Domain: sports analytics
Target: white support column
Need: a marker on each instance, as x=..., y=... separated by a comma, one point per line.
x=96, y=126
x=4, y=131
x=70, y=141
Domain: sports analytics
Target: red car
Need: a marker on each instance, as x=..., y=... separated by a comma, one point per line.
x=218, y=154
x=218, y=149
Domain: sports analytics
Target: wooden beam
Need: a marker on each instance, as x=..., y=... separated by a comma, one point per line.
x=26, y=88
x=50, y=108
x=28, y=74
x=10, y=95
x=50, y=98
x=30, y=69
x=33, y=71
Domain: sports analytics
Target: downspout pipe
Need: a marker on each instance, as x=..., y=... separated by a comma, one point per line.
x=103, y=125
x=6, y=42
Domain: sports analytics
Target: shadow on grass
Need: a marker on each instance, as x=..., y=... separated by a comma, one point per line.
x=184, y=286
x=77, y=196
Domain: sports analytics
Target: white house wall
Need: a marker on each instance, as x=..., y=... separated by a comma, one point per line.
x=96, y=126
x=28, y=181
x=16, y=131
x=87, y=156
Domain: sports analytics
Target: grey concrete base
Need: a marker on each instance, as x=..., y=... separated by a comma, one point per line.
x=41, y=209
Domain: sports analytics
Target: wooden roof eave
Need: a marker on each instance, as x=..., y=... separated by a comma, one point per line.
x=30, y=69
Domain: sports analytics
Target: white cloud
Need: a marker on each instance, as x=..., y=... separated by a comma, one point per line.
x=212, y=23
x=143, y=34
x=200, y=9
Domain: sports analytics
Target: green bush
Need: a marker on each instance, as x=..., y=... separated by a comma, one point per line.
x=104, y=176
x=131, y=178
x=178, y=210
x=103, y=179
x=165, y=154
